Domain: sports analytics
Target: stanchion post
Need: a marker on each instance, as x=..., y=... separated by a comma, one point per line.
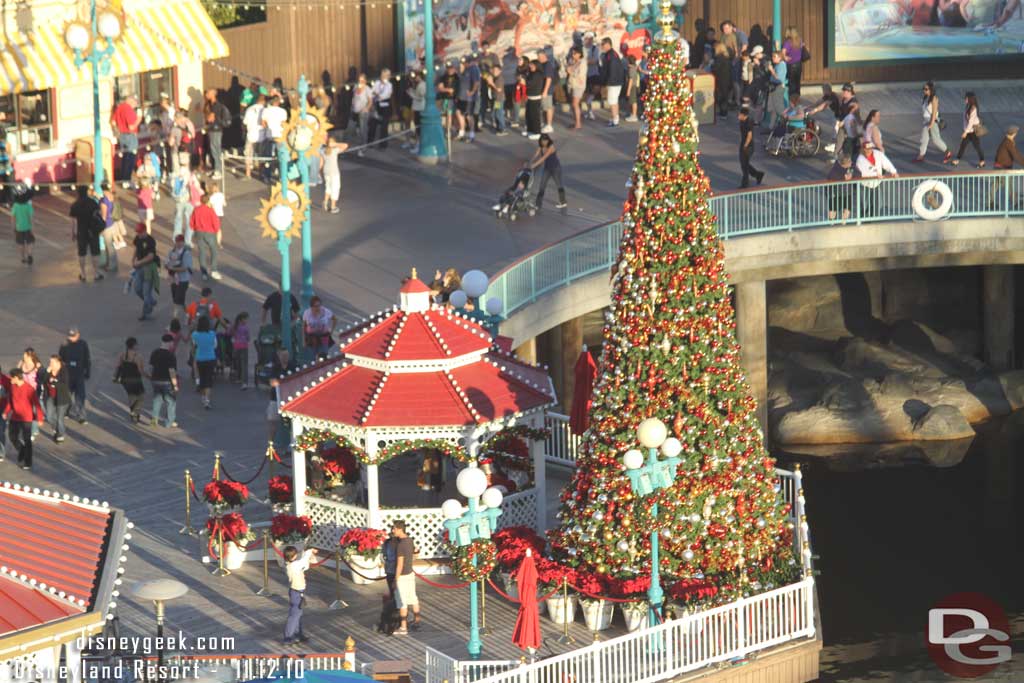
x=188, y=529
x=265, y=591
x=565, y=638
x=219, y=570
x=216, y=464
x=484, y=631
x=338, y=602
x=270, y=475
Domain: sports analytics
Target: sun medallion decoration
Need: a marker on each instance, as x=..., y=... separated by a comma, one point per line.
x=305, y=134
x=283, y=214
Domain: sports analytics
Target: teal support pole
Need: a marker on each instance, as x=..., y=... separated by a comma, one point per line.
x=777, y=23
x=655, y=596
x=283, y=246
x=307, y=228
x=97, y=138
x=474, y=645
x=432, y=147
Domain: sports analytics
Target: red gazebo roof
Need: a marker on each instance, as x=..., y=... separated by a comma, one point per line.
x=420, y=365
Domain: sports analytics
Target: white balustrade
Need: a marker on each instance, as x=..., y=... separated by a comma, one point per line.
x=442, y=668
x=562, y=445
x=331, y=519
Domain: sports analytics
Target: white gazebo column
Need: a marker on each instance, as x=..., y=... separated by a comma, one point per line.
x=298, y=470
x=537, y=450
x=372, y=483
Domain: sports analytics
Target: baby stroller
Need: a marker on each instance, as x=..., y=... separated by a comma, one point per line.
x=517, y=197
x=267, y=341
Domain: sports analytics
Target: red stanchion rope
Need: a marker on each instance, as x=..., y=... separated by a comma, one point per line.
x=192, y=488
x=227, y=475
x=277, y=458
x=441, y=585
x=518, y=600
x=358, y=573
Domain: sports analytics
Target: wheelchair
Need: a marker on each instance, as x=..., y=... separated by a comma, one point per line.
x=794, y=141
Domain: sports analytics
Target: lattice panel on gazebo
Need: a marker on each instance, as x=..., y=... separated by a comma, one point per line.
x=331, y=520
x=519, y=509
x=424, y=526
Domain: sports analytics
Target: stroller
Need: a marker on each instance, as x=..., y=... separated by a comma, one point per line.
x=517, y=197
x=267, y=341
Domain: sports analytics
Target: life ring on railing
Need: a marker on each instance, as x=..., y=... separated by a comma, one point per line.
x=932, y=213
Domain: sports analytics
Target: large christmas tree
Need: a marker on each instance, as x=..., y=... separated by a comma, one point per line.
x=670, y=352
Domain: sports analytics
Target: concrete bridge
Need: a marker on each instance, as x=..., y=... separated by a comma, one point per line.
x=785, y=233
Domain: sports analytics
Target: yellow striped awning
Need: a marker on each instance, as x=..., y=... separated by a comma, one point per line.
x=155, y=36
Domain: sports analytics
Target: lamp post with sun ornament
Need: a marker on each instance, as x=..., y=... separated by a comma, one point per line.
x=281, y=217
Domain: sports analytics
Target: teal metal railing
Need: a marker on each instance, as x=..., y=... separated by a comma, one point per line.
x=773, y=209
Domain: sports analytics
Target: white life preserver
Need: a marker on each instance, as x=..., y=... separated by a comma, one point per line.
x=945, y=205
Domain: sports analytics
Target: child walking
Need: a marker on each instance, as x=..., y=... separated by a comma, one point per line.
x=217, y=199
x=240, y=339
x=144, y=196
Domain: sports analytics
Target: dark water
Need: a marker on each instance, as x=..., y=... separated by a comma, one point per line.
x=897, y=528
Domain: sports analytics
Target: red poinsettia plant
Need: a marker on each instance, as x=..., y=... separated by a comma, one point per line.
x=692, y=590
x=224, y=493
x=232, y=527
x=589, y=584
x=290, y=529
x=513, y=542
x=551, y=574
x=629, y=587
x=363, y=541
x=280, y=489
x=339, y=464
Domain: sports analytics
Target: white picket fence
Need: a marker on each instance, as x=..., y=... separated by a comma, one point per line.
x=444, y=669
x=562, y=445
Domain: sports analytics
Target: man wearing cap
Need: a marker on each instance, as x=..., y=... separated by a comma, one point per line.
x=547, y=100
x=146, y=265
x=163, y=373
x=872, y=164
x=1006, y=155
x=74, y=353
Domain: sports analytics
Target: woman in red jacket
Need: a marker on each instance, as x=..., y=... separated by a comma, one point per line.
x=21, y=411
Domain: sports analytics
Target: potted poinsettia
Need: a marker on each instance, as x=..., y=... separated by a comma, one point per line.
x=554, y=578
x=363, y=549
x=597, y=611
x=222, y=496
x=280, y=492
x=235, y=532
x=289, y=530
x=512, y=543
x=634, y=590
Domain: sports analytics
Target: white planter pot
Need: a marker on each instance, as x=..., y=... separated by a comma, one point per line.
x=365, y=567
x=300, y=546
x=561, y=610
x=220, y=510
x=598, y=614
x=508, y=581
x=635, y=615
x=234, y=556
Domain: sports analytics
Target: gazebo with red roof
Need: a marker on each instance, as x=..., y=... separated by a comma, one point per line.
x=416, y=376
x=60, y=556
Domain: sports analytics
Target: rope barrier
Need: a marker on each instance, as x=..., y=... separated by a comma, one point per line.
x=440, y=585
x=192, y=488
x=277, y=458
x=227, y=475
x=360, y=574
x=519, y=600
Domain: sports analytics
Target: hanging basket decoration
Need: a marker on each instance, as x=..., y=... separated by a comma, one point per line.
x=486, y=554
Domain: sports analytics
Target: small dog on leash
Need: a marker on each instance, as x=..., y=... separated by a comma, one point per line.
x=390, y=619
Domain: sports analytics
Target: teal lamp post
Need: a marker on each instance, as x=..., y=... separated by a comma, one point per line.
x=646, y=479
x=777, y=23
x=474, y=286
x=307, y=228
x=478, y=522
x=84, y=42
x=432, y=147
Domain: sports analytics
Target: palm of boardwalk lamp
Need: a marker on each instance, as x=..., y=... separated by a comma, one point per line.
x=478, y=522
x=84, y=41
x=281, y=217
x=647, y=479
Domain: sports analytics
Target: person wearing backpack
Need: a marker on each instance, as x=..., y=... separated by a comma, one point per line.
x=205, y=307
x=86, y=225
x=179, y=270
x=217, y=118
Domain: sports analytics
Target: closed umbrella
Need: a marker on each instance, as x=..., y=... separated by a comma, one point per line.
x=586, y=372
x=527, y=633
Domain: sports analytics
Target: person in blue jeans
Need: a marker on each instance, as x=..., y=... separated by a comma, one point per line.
x=75, y=354
x=204, y=354
x=145, y=270
x=296, y=565
x=163, y=373
x=547, y=158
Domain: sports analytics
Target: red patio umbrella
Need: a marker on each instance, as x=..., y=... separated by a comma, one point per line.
x=586, y=372
x=527, y=633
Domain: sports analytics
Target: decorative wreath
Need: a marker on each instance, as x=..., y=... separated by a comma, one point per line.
x=296, y=200
x=486, y=554
x=309, y=130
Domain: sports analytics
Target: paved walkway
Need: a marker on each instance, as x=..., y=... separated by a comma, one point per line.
x=396, y=214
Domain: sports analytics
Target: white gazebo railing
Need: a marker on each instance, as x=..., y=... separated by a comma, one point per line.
x=331, y=519
x=441, y=668
x=680, y=645
x=562, y=445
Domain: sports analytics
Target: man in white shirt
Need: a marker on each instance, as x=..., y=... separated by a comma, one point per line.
x=381, y=92
x=254, y=131
x=872, y=164
x=296, y=566
x=274, y=117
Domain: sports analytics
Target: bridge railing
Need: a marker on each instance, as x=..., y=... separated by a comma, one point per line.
x=774, y=209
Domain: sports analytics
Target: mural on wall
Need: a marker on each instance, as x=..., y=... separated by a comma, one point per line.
x=887, y=30
x=460, y=26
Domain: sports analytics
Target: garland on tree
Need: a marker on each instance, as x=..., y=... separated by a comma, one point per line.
x=486, y=554
x=670, y=352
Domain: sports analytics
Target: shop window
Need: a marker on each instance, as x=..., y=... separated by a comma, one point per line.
x=27, y=120
x=147, y=87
